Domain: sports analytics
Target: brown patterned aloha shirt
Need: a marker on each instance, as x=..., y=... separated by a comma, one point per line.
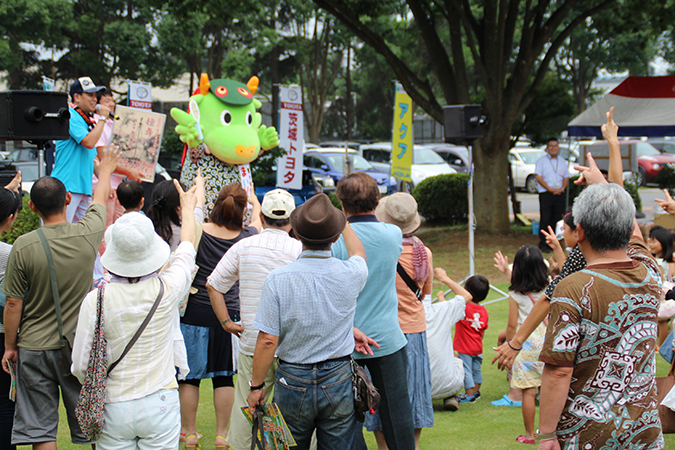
x=603, y=323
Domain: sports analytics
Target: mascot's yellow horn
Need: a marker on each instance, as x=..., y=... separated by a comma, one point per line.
x=252, y=84
x=204, y=84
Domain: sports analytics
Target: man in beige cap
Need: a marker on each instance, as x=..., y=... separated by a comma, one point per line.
x=249, y=261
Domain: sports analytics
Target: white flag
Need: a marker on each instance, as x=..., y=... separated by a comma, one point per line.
x=291, y=138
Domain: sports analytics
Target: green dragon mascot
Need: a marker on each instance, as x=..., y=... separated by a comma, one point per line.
x=222, y=131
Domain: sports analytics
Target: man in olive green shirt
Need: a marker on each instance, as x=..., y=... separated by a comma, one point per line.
x=37, y=348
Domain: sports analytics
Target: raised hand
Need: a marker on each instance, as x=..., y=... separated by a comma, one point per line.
x=110, y=159
x=610, y=130
x=188, y=200
x=501, y=262
x=551, y=238
x=591, y=174
x=668, y=204
x=15, y=184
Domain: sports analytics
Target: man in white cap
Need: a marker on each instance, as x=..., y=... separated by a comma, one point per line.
x=74, y=158
x=249, y=261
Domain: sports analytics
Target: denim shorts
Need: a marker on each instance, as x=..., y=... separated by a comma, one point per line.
x=317, y=396
x=472, y=369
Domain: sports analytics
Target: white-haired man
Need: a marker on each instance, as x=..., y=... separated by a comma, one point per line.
x=598, y=387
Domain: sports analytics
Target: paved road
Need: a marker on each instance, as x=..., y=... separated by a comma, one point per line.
x=529, y=203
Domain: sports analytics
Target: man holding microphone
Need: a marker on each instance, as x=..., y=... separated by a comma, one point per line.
x=74, y=158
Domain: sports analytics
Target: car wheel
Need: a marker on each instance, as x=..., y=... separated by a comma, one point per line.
x=531, y=184
x=407, y=187
x=640, y=177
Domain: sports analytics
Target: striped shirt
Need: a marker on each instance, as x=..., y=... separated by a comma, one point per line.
x=249, y=261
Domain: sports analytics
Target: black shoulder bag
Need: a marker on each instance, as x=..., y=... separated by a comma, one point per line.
x=409, y=281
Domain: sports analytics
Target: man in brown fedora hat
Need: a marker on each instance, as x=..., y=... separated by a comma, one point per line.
x=306, y=316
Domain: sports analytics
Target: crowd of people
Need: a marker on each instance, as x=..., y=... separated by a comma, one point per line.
x=292, y=299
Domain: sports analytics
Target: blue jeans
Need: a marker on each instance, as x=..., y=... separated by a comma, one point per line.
x=317, y=396
x=390, y=377
x=472, y=369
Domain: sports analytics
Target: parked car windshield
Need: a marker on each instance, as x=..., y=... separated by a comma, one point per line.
x=337, y=161
x=427, y=156
x=531, y=157
x=645, y=149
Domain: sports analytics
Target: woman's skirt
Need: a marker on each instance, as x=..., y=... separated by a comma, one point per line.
x=209, y=351
x=527, y=369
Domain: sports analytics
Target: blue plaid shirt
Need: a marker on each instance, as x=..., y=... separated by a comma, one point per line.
x=310, y=304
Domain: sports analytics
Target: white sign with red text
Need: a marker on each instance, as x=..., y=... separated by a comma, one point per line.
x=140, y=95
x=291, y=138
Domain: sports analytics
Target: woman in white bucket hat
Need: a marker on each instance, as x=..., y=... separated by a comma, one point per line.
x=142, y=393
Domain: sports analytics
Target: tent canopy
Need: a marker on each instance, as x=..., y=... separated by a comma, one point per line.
x=643, y=106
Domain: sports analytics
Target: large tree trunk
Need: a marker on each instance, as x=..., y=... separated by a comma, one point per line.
x=490, y=185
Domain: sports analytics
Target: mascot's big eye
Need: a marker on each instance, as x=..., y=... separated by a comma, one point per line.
x=221, y=91
x=244, y=92
x=226, y=118
x=249, y=118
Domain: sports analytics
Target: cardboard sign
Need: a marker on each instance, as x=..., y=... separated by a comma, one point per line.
x=139, y=136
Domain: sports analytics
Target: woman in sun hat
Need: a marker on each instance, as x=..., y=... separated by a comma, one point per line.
x=400, y=209
x=142, y=407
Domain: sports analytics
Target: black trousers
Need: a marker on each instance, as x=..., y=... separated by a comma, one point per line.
x=551, y=210
x=6, y=406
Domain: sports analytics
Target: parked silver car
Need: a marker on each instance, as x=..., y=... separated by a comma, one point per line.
x=426, y=163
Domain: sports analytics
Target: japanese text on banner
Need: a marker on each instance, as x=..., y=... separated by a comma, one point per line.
x=291, y=138
x=402, y=139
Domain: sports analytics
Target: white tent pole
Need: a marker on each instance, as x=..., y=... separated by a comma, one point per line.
x=471, y=221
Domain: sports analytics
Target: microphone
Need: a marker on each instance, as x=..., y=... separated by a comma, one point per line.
x=112, y=116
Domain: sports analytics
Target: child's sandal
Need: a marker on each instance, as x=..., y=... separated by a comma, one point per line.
x=525, y=440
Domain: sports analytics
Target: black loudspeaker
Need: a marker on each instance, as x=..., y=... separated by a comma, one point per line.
x=34, y=115
x=462, y=122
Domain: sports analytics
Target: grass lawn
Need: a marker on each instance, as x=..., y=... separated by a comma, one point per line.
x=475, y=426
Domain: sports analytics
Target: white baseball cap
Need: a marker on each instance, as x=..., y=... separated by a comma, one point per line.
x=277, y=204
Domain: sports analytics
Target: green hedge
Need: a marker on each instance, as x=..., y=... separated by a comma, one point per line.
x=443, y=197
x=26, y=221
x=666, y=179
x=334, y=200
x=631, y=188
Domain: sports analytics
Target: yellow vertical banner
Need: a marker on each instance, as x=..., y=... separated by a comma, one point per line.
x=402, y=135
